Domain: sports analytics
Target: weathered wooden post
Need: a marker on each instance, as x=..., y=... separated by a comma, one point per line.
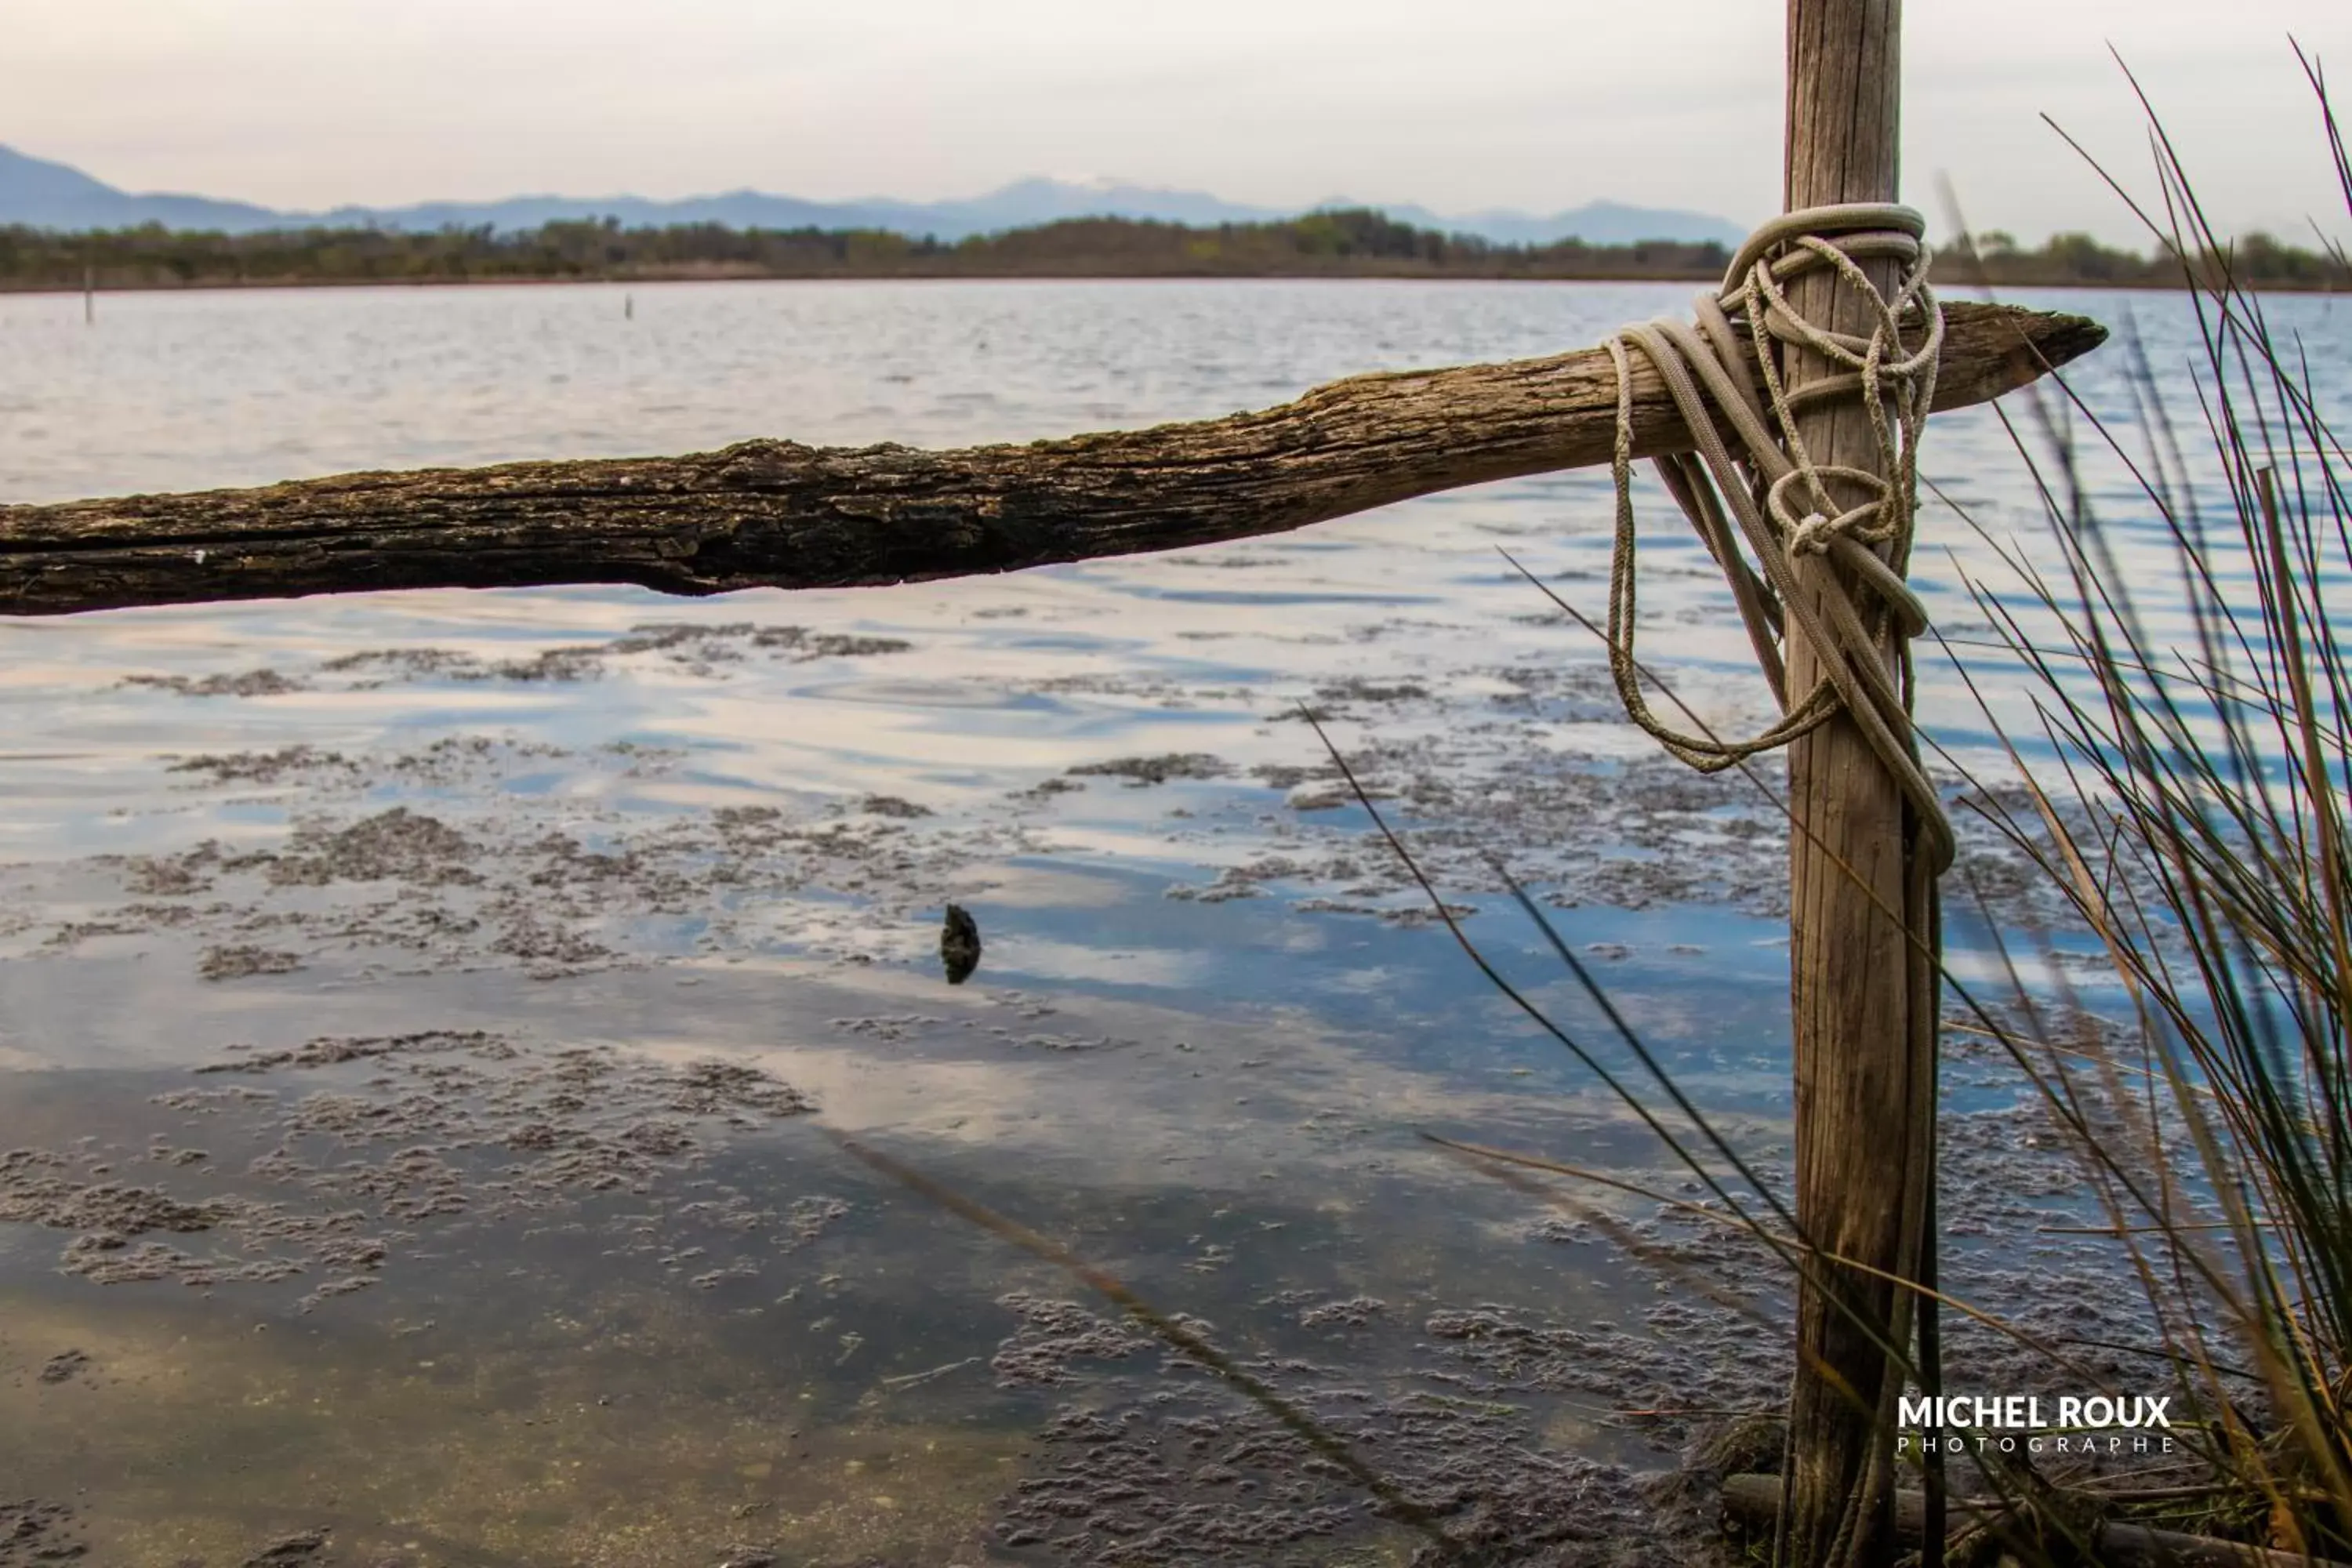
x=1862, y=989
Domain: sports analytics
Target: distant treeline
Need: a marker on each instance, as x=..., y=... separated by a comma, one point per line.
x=2255, y=261
x=1343, y=243
x=1323, y=244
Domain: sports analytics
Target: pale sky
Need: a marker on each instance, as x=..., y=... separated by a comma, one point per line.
x=1536, y=104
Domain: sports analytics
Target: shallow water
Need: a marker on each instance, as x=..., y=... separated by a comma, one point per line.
x=1210, y=1023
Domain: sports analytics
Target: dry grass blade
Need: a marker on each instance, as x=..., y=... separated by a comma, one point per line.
x=1299, y=1422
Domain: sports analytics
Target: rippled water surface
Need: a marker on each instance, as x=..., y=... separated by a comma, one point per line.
x=472, y=1255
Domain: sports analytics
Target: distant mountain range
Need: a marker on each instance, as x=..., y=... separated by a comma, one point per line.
x=42, y=194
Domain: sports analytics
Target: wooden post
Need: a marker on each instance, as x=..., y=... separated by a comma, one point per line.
x=1862, y=993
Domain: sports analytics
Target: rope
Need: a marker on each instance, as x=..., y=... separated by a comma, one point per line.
x=1779, y=498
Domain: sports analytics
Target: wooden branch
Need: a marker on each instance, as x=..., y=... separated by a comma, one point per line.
x=777, y=515
x=1755, y=1501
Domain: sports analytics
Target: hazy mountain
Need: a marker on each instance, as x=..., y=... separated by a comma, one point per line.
x=53, y=196
x=1597, y=222
x=43, y=194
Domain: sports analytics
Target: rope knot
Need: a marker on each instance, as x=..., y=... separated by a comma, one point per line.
x=1811, y=535
x=1852, y=598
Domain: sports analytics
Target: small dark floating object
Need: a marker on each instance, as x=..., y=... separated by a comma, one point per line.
x=960, y=944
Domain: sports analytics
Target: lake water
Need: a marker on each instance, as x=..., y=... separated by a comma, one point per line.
x=473, y=1259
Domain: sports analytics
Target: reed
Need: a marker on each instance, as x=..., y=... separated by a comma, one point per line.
x=2194, y=820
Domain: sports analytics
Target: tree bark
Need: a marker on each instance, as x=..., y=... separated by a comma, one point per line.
x=780, y=515
x=1862, y=998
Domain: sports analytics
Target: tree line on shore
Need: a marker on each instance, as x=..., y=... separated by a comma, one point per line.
x=1356, y=243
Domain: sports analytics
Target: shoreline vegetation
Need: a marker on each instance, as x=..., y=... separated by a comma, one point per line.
x=1356, y=243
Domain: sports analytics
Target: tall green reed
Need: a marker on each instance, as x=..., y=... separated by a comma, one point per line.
x=2194, y=820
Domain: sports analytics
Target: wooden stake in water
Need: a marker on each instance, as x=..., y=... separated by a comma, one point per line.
x=628, y=307
x=88, y=295
x=1863, y=987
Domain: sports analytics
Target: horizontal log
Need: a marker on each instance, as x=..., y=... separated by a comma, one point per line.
x=1755, y=1500
x=781, y=515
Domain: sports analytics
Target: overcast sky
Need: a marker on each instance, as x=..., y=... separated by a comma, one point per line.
x=1537, y=104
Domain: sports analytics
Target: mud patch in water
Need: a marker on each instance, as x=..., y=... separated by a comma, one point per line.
x=35, y=1532
x=578, y=1439
x=327, y=1185
x=1141, y=771
x=527, y=885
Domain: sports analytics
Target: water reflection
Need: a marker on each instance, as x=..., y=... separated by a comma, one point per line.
x=1211, y=1020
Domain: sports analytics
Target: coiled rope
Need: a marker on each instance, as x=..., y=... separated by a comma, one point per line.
x=1780, y=499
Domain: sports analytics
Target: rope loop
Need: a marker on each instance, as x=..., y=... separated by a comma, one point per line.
x=1812, y=566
